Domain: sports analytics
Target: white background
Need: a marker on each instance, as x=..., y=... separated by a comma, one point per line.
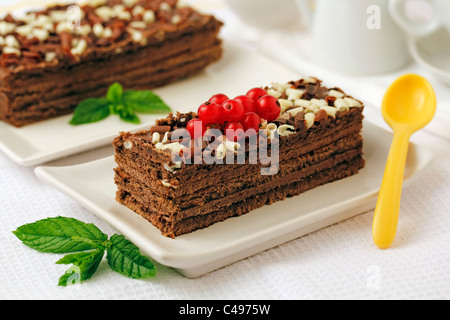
x=338, y=262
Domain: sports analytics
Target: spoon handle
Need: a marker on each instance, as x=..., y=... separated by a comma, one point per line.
x=385, y=219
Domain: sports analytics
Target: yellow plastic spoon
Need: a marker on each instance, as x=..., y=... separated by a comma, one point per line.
x=408, y=105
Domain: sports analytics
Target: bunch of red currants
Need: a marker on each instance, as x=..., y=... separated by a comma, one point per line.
x=236, y=117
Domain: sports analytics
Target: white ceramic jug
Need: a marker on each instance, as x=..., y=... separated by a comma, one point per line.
x=356, y=37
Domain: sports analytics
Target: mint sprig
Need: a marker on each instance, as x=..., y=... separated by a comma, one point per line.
x=125, y=104
x=86, y=246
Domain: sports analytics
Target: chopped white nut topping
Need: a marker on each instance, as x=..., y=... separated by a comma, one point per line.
x=341, y=104
x=104, y=12
x=281, y=87
x=165, y=138
x=310, y=80
x=107, y=32
x=352, y=103
x=41, y=34
x=12, y=42
x=98, y=29
x=166, y=183
x=295, y=111
x=24, y=30
x=6, y=27
x=138, y=36
x=274, y=93
x=9, y=50
x=42, y=20
x=130, y=3
x=320, y=102
x=156, y=137
x=84, y=30
x=314, y=107
x=272, y=126
x=286, y=103
x=232, y=146
x=124, y=15
x=79, y=49
x=309, y=119
x=335, y=93
x=97, y=3
x=174, y=147
x=164, y=6
x=176, y=19
x=294, y=94
x=59, y=15
x=138, y=24
x=221, y=151
x=148, y=16
x=50, y=56
x=128, y=144
x=302, y=103
x=118, y=8
x=61, y=27
x=138, y=10
x=331, y=111
x=286, y=130
x=172, y=168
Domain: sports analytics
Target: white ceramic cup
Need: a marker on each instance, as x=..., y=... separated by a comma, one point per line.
x=265, y=14
x=356, y=37
x=441, y=17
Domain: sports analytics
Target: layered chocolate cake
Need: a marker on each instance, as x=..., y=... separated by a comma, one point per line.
x=192, y=170
x=53, y=59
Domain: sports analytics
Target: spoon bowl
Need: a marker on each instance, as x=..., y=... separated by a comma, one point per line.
x=408, y=105
x=411, y=101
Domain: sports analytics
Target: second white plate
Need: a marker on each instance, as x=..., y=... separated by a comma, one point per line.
x=197, y=253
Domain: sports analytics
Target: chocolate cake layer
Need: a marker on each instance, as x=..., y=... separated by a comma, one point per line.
x=244, y=206
x=33, y=109
x=227, y=177
x=47, y=67
x=212, y=198
x=316, y=139
x=153, y=172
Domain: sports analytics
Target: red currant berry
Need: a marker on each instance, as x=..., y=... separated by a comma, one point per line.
x=268, y=107
x=196, y=128
x=232, y=111
x=247, y=102
x=218, y=98
x=234, y=131
x=251, y=121
x=209, y=113
x=256, y=93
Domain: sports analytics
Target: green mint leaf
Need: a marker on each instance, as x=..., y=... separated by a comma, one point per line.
x=119, y=102
x=61, y=235
x=114, y=94
x=90, y=110
x=130, y=117
x=125, y=258
x=84, y=266
x=144, y=101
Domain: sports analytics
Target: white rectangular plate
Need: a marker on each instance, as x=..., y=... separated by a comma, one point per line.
x=56, y=138
x=197, y=253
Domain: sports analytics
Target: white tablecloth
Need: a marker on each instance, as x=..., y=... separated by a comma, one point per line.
x=337, y=262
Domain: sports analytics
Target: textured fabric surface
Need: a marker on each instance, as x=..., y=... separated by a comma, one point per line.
x=337, y=262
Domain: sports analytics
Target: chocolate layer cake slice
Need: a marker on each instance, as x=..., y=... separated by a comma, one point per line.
x=295, y=137
x=54, y=58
